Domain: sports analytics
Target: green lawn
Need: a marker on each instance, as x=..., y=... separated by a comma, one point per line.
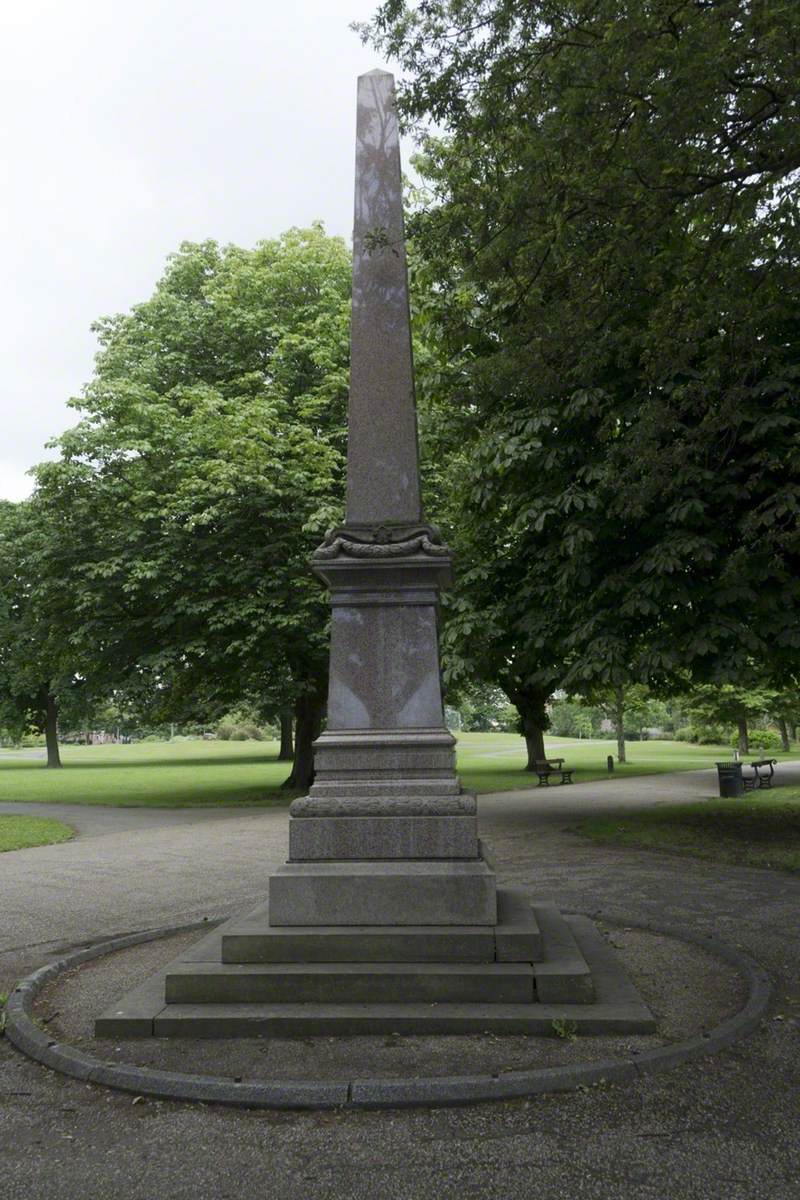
x=495, y=762
x=759, y=830
x=183, y=774
x=17, y=833
x=151, y=774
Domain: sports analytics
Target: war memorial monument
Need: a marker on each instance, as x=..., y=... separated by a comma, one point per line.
x=387, y=916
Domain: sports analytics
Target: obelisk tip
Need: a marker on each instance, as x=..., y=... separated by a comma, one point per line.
x=376, y=71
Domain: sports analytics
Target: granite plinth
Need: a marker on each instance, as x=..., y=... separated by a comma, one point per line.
x=404, y=892
x=390, y=837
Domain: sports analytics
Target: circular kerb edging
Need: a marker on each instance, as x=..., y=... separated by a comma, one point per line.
x=33, y=1041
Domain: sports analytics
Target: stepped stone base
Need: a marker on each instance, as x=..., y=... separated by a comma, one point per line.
x=532, y=968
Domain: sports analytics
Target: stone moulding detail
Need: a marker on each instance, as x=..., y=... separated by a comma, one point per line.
x=390, y=806
x=379, y=543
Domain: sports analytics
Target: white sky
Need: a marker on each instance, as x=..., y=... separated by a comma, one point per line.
x=131, y=125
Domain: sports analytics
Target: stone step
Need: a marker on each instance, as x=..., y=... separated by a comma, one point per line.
x=617, y=1009
x=328, y=1020
x=515, y=938
x=562, y=975
x=350, y=983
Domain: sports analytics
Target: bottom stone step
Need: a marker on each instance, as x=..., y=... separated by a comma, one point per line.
x=562, y=975
x=310, y=1020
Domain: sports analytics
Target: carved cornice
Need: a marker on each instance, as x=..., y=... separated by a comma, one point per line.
x=464, y=805
x=382, y=542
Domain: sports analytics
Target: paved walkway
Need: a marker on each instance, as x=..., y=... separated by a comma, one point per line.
x=725, y=1127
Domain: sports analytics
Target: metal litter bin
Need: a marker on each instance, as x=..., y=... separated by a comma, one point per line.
x=731, y=780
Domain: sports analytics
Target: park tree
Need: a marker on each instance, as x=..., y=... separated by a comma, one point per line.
x=731, y=705
x=608, y=239
x=207, y=464
x=35, y=668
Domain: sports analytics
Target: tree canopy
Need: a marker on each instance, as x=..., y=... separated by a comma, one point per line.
x=607, y=238
x=208, y=463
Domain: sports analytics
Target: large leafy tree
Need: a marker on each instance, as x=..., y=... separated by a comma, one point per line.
x=610, y=244
x=729, y=704
x=207, y=464
x=34, y=670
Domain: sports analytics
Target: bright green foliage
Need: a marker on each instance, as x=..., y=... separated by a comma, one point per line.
x=208, y=464
x=484, y=708
x=609, y=246
x=728, y=704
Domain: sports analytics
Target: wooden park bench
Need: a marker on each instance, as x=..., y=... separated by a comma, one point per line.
x=763, y=770
x=553, y=766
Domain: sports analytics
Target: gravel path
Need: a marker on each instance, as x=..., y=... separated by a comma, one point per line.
x=725, y=1127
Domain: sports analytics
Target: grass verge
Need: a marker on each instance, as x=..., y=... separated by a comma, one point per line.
x=759, y=830
x=18, y=833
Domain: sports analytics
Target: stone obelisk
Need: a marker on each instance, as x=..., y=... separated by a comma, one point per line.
x=386, y=916
x=386, y=835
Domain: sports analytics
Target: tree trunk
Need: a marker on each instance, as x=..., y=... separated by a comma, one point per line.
x=792, y=731
x=51, y=730
x=784, y=729
x=534, y=742
x=308, y=718
x=286, y=752
x=619, y=722
x=744, y=740
x=531, y=706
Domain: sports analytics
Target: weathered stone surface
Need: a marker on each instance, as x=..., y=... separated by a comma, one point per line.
x=132, y=1016
x=383, y=893
x=308, y=1020
x=382, y=837
x=258, y=942
x=616, y=1009
x=350, y=983
x=384, y=567
x=372, y=805
x=382, y=457
x=372, y=645
x=563, y=975
x=517, y=935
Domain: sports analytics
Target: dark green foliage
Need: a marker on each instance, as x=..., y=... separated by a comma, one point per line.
x=609, y=247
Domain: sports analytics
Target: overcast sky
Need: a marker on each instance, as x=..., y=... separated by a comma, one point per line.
x=131, y=125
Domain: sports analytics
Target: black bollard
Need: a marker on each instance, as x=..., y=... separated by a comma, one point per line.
x=610, y=763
